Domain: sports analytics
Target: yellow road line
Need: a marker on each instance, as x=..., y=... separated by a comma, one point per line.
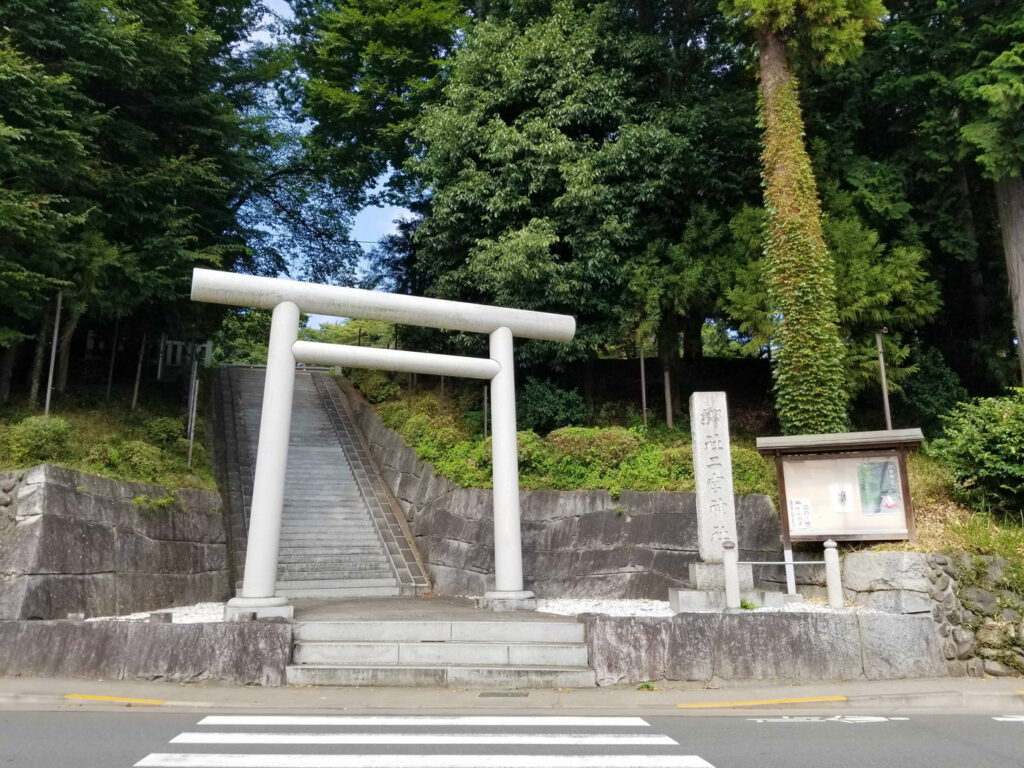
x=113, y=698
x=709, y=705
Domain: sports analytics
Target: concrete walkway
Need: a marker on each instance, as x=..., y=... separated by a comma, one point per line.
x=412, y=609
x=939, y=695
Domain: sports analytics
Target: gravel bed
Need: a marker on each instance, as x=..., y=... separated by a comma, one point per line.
x=181, y=614
x=574, y=607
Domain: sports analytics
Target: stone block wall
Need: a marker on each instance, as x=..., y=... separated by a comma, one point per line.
x=72, y=542
x=582, y=543
x=245, y=653
x=976, y=619
x=755, y=645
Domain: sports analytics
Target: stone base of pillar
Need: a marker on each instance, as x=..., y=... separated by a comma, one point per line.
x=508, y=601
x=711, y=576
x=263, y=607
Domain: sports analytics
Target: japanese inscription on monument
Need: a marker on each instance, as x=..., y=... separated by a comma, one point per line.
x=712, y=466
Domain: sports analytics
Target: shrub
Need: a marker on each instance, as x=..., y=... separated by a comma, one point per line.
x=983, y=446
x=541, y=406
x=931, y=392
x=376, y=386
x=165, y=430
x=606, y=447
x=38, y=438
x=751, y=472
x=131, y=459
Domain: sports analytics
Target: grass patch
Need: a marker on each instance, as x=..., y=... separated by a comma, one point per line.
x=148, y=446
x=612, y=458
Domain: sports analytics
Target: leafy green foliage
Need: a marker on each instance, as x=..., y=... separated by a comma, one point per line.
x=37, y=439
x=542, y=406
x=377, y=386
x=832, y=30
x=147, y=446
x=931, y=392
x=571, y=458
x=983, y=445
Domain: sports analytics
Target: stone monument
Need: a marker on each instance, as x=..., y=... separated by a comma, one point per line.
x=716, y=513
x=716, y=506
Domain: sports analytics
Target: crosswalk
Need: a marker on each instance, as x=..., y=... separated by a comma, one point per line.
x=343, y=741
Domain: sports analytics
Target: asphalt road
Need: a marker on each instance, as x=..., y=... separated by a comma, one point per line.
x=218, y=739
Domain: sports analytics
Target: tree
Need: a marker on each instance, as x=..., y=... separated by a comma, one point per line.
x=890, y=128
x=365, y=71
x=994, y=87
x=812, y=393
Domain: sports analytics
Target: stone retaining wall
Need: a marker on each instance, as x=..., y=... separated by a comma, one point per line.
x=582, y=543
x=747, y=646
x=246, y=653
x=72, y=542
x=977, y=620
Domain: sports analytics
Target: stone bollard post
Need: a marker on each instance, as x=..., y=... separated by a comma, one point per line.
x=833, y=575
x=730, y=562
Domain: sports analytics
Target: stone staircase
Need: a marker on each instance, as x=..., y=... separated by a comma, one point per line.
x=331, y=545
x=509, y=654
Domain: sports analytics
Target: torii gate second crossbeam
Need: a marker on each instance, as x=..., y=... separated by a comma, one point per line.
x=287, y=298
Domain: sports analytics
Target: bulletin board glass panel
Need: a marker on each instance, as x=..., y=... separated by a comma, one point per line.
x=850, y=496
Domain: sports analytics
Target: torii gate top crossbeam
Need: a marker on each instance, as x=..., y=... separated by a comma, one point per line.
x=267, y=292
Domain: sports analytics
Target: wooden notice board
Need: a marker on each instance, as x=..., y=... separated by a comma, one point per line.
x=845, y=487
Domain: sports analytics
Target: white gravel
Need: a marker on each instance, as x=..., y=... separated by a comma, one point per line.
x=574, y=607
x=182, y=614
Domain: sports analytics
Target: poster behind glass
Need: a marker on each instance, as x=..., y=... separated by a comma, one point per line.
x=850, y=495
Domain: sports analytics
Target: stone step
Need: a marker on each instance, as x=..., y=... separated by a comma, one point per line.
x=441, y=676
x=342, y=543
x=440, y=631
x=449, y=654
x=323, y=592
x=331, y=561
x=337, y=583
x=327, y=550
x=313, y=577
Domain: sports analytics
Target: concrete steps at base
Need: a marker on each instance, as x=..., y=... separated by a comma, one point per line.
x=440, y=676
x=459, y=654
x=497, y=654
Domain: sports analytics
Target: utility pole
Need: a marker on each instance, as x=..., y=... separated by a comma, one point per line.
x=53, y=352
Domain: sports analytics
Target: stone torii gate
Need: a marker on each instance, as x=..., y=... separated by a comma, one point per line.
x=287, y=298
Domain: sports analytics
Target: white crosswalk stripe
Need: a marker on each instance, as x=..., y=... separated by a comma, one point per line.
x=463, y=742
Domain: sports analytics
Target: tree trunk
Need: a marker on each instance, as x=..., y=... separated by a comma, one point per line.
x=668, y=356
x=35, y=376
x=113, y=357
x=138, y=373
x=810, y=382
x=64, y=351
x=693, y=344
x=6, y=371
x=1010, y=201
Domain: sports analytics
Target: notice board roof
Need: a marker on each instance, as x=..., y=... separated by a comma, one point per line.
x=840, y=442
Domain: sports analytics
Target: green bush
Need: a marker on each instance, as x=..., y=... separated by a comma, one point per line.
x=751, y=472
x=38, y=438
x=606, y=447
x=165, y=430
x=931, y=392
x=132, y=458
x=541, y=406
x=376, y=386
x=983, y=446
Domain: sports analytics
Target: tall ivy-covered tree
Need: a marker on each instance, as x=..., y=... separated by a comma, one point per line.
x=812, y=393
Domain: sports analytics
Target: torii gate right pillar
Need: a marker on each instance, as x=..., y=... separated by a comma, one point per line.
x=508, y=594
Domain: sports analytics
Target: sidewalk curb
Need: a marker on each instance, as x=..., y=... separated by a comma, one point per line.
x=948, y=700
